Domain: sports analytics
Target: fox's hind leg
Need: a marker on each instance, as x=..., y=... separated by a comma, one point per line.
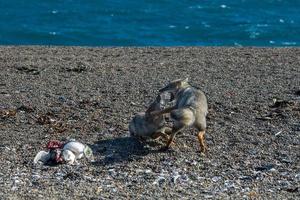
x=201, y=138
x=200, y=124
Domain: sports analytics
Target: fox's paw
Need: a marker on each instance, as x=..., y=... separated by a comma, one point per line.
x=203, y=151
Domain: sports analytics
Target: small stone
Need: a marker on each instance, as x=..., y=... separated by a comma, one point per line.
x=59, y=174
x=265, y=167
x=139, y=171
x=14, y=188
x=62, y=99
x=112, y=129
x=16, y=181
x=284, y=173
x=216, y=178
x=272, y=170
x=159, y=181
x=286, y=160
x=245, y=177
x=174, y=178
x=36, y=176
x=229, y=184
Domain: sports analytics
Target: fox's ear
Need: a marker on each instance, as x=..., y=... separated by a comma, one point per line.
x=184, y=82
x=158, y=98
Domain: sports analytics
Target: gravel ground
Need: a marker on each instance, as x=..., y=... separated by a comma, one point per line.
x=90, y=94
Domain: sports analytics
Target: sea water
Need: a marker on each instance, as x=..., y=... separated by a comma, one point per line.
x=150, y=22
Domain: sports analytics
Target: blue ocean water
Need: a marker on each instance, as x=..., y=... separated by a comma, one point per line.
x=150, y=22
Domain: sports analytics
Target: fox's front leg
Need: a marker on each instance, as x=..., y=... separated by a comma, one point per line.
x=167, y=130
x=164, y=111
x=182, y=118
x=159, y=134
x=175, y=130
x=164, y=133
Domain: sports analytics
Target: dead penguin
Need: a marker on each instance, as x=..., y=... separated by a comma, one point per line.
x=74, y=150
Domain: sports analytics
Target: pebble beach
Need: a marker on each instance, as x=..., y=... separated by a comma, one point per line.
x=91, y=94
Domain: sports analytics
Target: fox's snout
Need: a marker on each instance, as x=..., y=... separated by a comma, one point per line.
x=161, y=90
x=165, y=89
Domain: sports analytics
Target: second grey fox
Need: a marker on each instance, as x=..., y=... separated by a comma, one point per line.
x=190, y=109
x=143, y=125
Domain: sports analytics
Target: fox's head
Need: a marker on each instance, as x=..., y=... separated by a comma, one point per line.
x=175, y=85
x=157, y=104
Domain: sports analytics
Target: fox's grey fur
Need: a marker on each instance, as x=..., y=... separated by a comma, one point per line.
x=190, y=109
x=143, y=125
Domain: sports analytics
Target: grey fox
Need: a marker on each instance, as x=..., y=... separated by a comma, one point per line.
x=143, y=125
x=190, y=109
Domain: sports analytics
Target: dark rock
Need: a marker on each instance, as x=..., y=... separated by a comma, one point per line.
x=264, y=167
